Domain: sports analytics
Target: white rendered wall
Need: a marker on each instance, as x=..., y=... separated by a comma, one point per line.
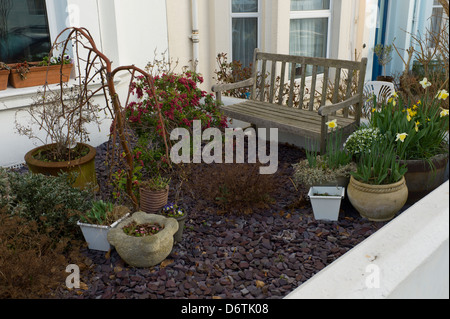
x=410, y=255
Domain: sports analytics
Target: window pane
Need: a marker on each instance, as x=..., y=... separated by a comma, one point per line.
x=308, y=37
x=24, y=33
x=245, y=39
x=305, y=5
x=239, y=6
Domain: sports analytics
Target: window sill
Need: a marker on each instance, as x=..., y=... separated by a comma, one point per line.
x=13, y=98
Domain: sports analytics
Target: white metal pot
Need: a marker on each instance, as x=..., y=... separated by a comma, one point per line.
x=96, y=235
x=326, y=201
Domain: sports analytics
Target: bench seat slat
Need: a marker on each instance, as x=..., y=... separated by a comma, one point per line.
x=294, y=113
x=287, y=119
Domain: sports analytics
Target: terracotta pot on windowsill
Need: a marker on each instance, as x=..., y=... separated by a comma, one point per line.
x=38, y=75
x=4, y=74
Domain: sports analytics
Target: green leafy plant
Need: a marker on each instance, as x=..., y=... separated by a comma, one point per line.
x=99, y=213
x=380, y=166
x=142, y=230
x=318, y=169
x=418, y=129
x=172, y=210
x=51, y=202
x=361, y=140
x=62, y=59
x=156, y=183
x=4, y=66
x=384, y=55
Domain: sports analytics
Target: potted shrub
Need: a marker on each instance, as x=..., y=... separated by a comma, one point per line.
x=424, y=150
x=96, y=223
x=48, y=71
x=154, y=194
x=147, y=246
x=63, y=117
x=4, y=74
x=378, y=188
x=326, y=201
x=174, y=211
x=384, y=55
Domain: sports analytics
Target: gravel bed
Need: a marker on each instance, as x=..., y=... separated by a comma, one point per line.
x=263, y=255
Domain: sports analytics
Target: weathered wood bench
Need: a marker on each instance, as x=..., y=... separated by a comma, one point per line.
x=269, y=107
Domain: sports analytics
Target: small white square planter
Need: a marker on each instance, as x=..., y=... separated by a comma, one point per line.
x=96, y=235
x=326, y=207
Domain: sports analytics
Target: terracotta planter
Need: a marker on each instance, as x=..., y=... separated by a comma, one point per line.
x=38, y=75
x=151, y=201
x=377, y=202
x=422, y=178
x=145, y=251
x=4, y=74
x=85, y=166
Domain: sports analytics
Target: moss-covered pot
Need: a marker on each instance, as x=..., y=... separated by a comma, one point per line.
x=84, y=166
x=145, y=251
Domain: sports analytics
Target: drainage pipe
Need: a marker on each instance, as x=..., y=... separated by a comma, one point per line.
x=195, y=35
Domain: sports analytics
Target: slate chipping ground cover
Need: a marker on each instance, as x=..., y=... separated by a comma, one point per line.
x=264, y=254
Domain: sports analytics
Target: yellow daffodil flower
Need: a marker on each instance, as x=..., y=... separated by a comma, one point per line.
x=401, y=137
x=444, y=113
x=395, y=94
x=417, y=126
x=332, y=124
x=442, y=95
x=391, y=100
x=425, y=84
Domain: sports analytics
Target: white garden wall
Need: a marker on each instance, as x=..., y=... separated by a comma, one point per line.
x=408, y=258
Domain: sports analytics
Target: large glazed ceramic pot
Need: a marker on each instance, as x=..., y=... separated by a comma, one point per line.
x=422, y=178
x=377, y=202
x=84, y=166
x=145, y=251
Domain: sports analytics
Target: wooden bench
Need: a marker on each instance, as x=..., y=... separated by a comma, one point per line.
x=269, y=106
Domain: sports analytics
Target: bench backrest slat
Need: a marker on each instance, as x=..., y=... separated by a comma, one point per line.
x=282, y=79
x=272, y=81
x=271, y=86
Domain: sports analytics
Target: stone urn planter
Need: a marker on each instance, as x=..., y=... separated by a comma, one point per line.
x=377, y=202
x=422, y=178
x=145, y=251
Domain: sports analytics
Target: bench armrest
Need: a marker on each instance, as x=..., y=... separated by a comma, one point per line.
x=328, y=109
x=231, y=86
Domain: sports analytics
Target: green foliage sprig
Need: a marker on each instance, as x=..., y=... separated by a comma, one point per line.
x=380, y=166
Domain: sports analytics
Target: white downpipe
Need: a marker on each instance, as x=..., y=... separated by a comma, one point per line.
x=195, y=35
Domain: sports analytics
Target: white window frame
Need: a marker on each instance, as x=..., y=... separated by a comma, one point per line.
x=233, y=15
x=313, y=14
x=436, y=6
